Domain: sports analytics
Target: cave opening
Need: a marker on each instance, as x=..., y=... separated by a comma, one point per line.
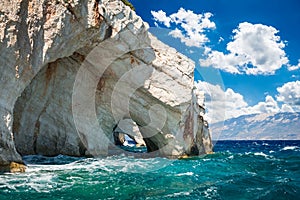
x=129, y=142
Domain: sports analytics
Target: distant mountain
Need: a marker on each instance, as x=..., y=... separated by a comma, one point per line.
x=278, y=126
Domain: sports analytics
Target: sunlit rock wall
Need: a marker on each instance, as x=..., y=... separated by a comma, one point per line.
x=71, y=70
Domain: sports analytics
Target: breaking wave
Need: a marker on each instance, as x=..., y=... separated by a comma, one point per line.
x=237, y=170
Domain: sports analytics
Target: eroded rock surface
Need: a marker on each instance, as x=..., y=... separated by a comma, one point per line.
x=130, y=128
x=72, y=70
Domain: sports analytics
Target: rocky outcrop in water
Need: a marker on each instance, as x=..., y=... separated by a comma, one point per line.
x=72, y=70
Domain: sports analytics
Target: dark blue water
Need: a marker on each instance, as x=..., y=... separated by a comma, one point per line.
x=237, y=170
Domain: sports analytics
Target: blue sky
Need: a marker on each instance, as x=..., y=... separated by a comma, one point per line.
x=247, y=53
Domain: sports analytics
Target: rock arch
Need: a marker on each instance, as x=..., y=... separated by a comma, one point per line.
x=42, y=47
x=130, y=128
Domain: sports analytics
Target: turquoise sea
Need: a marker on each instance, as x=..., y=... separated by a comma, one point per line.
x=237, y=170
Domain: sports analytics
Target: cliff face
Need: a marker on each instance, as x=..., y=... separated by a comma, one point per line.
x=72, y=70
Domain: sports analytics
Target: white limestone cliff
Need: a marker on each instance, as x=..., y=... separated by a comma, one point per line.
x=72, y=70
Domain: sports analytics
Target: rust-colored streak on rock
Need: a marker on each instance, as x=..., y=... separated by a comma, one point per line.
x=132, y=60
x=49, y=11
x=78, y=57
x=97, y=17
x=101, y=84
x=49, y=73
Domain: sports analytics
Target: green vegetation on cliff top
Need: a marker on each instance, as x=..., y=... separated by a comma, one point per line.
x=127, y=3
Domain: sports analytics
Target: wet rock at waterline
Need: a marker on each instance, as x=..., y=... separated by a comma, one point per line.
x=72, y=70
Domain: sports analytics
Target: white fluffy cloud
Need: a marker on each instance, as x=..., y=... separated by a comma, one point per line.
x=221, y=105
x=268, y=106
x=289, y=93
x=161, y=16
x=255, y=49
x=191, y=27
x=294, y=67
x=287, y=108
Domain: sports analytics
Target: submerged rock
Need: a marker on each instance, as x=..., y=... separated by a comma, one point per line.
x=72, y=70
